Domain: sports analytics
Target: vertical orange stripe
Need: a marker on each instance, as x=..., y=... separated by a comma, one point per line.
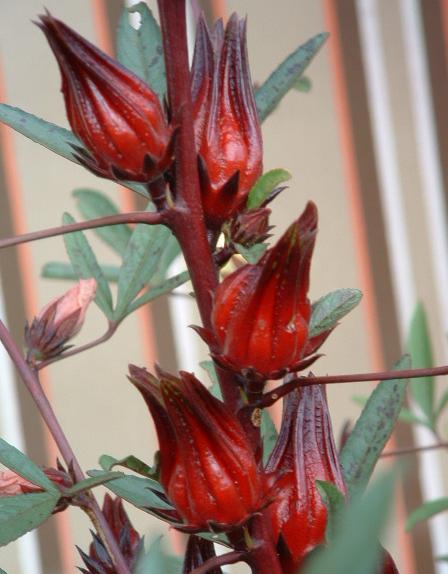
x=147, y=335
x=16, y=201
x=218, y=9
x=354, y=192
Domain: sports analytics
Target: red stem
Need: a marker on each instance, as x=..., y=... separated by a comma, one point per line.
x=132, y=217
x=413, y=449
x=273, y=396
x=32, y=383
x=217, y=561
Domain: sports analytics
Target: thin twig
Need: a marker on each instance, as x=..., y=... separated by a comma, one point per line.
x=132, y=217
x=105, y=337
x=413, y=449
x=32, y=383
x=223, y=560
x=273, y=396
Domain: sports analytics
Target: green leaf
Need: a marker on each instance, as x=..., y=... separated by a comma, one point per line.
x=252, y=254
x=331, y=308
x=443, y=558
x=45, y=133
x=303, y=85
x=154, y=292
x=335, y=502
x=419, y=347
x=372, y=431
x=141, y=259
x=355, y=549
x=441, y=404
x=168, y=255
x=15, y=460
x=85, y=266
x=141, y=492
x=141, y=50
x=426, y=510
x=20, y=514
x=405, y=416
x=131, y=462
x=93, y=204
x=60, y=270
x=2, y=571
x=89, y=483
x=157, y=559
x=265, y=185
x=269, y=94
x=268, y=434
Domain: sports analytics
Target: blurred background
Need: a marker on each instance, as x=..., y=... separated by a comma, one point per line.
x=368, y=143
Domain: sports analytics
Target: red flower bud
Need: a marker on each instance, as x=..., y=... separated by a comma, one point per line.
x=114, y=113
x=305, y=452
x=207, y=467
x=250, y=227
x=98, y=561
x=261, y=312
x=228, y=134
x=59, y=321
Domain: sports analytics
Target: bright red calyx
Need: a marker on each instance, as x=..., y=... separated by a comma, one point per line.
x=305, y=452
x=228, y=134
x=114, y=113
x=207, y=467
x=261, y=312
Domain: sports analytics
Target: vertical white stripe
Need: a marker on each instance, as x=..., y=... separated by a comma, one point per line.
x=11, y=431
x=401, y=258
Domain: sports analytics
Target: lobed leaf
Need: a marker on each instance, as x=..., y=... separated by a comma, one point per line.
x=61, y=270
x=86, y=265
x=162, y=289
x=427, y=510
x=372, y=431
x=22, y=513
x=331, y=308
x=140, y=50
x=93, y=204
x=265, y=185
x=15, y=460
x=419, y=348
x=285, y=77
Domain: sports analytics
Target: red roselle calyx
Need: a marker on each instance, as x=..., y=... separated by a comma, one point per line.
x=227, y=129
x=207, y=467
x=261, y=312
x=59, y=321
x=114, y=113
x=98, y=560
x=304, y=452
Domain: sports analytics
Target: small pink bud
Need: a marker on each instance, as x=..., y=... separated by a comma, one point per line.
x=59, y=321
x=12, y=484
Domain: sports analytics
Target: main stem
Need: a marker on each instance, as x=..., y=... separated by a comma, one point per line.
x=188, y=220
x=34, y=387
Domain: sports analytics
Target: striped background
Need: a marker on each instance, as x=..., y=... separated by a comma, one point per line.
x=369, y=145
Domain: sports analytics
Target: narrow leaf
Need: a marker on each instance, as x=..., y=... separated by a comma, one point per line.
x=15, y=460
x=372, y=431
x=331, y=308
x=141, y=259
x=419, y=347
x=45, y=133
x=89, y=483
x=140, y=492
x=268, y=434
x=140, y=49
x=405, y=416
x=20, y=514
x=60, y=270
x=426, y=510
x=268, y=96
x=441, y=404
x=132, y=463
x=93, y=204
x=156, y=559
x=251, y=254
x=159, y=290
x=354, y=548
x=86, y=265
x=335, y=502
x=265, y=185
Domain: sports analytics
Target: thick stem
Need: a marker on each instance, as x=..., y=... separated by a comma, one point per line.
x=273, y=396
x=263, y=556
x=132, y=217
x=32, y=383
x=217, y=561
